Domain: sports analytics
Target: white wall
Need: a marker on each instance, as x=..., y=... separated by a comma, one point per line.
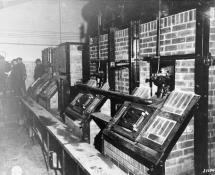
x=37, y=22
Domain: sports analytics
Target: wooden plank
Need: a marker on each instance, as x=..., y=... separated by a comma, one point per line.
x=92, y=160
x=85, y=155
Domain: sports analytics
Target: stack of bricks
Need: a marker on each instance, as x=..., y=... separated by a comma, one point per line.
x=93, y=51
x=103, y=47
x=177, y=35
x=211, y=95
x=121, y=54
x=122, y=80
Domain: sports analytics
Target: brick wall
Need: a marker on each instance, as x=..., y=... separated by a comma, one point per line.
x=211, y=95
x=184, y=75
x=181, y=159
x=177, y=35
x=121, y=53
x=121, y=44
x=103, y=47
x=122, y=80
x=93, y=52
x=144, y=72
x=212, y=32
x=211, y=118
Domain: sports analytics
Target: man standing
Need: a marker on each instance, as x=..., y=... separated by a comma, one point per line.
x=3, y=75
x=39, y=69
x=3, y=89
x=22, y=75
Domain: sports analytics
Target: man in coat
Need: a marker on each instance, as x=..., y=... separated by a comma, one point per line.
x=39, y=69
x=22, y=75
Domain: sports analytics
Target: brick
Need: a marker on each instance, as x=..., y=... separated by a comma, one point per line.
x=161, y=37
x=186, y=33
x=212, y=23
x=178, y=40
x=166, y=30
x=147, y=50
x=173, y=19
x=212, y=37
x=171, y=48
x=179, y=27
x=175, y=154
x=149, y=39
x=186, y=137
x=181, y=17
x=169, y=20
x=187, y=144
x=170, y=35
x=188, y=151
x=186, y=17
x=165, y=22
x=191, y=17
x=152, y=44
x=152, y=33
x=190, y=38
x=176, y=18
x=170, y=162
x=191, y=25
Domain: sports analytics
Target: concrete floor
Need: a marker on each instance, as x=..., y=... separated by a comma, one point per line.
x=17, y=151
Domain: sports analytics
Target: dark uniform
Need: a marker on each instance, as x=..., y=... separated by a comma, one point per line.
x=39, y=71
x=3, y=75
x=21, y=76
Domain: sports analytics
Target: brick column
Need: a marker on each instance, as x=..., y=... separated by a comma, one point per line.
x=180, y=160
x=211, y=118
x=211, y=95
x=121, y=53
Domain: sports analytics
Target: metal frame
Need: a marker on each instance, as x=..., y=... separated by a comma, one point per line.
x=201, y=88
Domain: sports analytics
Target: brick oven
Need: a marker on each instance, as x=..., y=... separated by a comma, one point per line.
x=180, y=41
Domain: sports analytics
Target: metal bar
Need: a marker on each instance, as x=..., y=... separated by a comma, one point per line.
x=111, y=65
x=68, y=62
x=130, y=55
x=114, y=95
x=63, y=163
x=201, y=88
x=48, y=146
x=170, y=57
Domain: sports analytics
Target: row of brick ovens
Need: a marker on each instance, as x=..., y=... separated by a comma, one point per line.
x=150, y=91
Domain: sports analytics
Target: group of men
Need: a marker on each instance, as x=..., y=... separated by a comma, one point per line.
x=12, y=76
